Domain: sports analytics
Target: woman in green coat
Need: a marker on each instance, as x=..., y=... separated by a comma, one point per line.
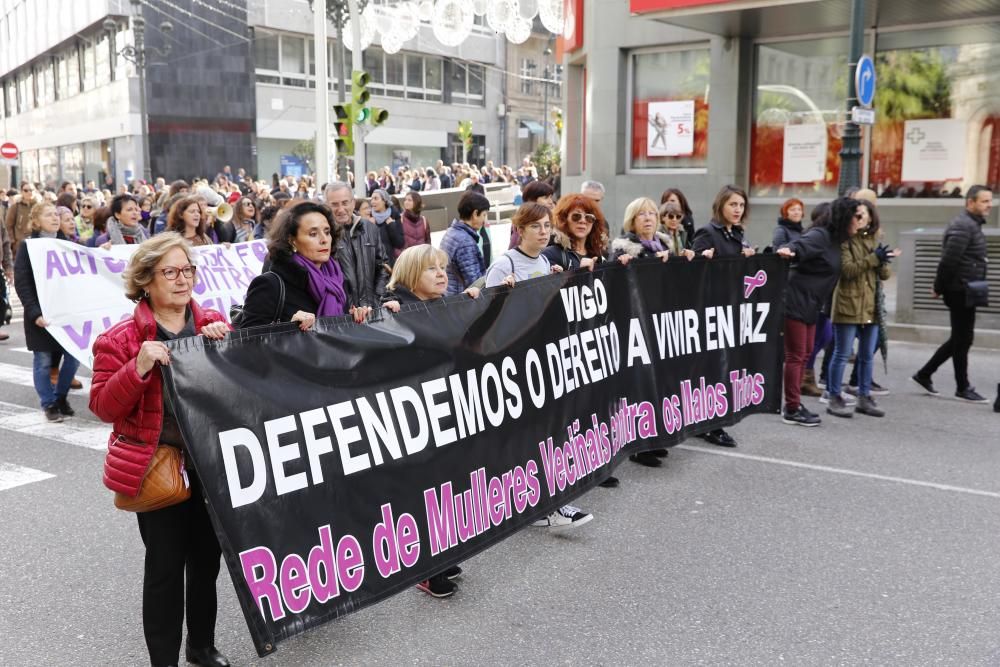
x=863, y=262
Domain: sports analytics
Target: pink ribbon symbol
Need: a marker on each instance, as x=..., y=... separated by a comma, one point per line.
x=750, y=283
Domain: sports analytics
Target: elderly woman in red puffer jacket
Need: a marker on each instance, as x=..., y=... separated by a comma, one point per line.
x=127, y=390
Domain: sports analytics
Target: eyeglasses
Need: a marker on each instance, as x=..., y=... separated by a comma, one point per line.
x=171, y=272
x=88, y=206
x=580, y=217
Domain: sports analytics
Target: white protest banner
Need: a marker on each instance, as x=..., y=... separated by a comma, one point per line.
x=804, y=155
x=934, y=150
x=671, y=128
x=82, y=294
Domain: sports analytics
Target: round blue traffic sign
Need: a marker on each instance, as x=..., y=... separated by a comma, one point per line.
x=864, y=81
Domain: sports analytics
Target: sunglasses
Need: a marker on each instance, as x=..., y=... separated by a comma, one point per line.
x=88, y=206
x=580, y=217
x=673, y=217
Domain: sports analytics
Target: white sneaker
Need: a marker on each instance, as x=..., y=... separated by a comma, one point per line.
x=849, y=401
x=566, y=516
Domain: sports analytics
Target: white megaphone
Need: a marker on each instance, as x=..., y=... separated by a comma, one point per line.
x=223, y=212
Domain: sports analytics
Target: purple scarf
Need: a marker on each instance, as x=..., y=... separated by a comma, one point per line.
x=326, y=286
x=653, y=245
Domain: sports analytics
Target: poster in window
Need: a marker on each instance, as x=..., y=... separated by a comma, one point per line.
x=934, y=150
x=804, y=154
x=400, y=160
x=671, y=128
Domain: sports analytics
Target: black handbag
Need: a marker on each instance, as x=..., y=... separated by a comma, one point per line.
x=977, y=294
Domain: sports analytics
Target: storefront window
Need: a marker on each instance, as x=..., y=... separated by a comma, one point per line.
x=801, y=88
x=937, y=108
x=669, y=109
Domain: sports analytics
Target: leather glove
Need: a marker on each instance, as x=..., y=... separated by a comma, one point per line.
x=882, y=252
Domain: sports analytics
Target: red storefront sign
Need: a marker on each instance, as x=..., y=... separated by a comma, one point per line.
x=647, y=6
x=571, y=38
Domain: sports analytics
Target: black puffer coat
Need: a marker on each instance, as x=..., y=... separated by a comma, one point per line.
x=963, y=254
x=726, y=244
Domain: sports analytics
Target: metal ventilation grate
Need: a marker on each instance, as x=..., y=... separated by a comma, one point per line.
x=926, y=257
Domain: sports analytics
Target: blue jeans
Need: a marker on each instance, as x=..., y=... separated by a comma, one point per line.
x=843, y=341
x=48, y=394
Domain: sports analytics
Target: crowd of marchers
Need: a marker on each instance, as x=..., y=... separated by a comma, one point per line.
x=332, y=254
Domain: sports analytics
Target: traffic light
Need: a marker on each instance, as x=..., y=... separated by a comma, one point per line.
x=360, y=96
x=378, y=116
x=344, y=124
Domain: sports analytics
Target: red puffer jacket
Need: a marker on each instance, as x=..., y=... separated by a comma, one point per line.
x=132, y=403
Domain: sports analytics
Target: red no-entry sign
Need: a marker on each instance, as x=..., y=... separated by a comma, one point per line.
x=8, y=150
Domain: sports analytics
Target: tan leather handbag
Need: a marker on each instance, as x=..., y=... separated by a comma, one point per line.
x=165, y=483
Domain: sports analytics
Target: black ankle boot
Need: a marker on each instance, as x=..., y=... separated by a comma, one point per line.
x=206, y=657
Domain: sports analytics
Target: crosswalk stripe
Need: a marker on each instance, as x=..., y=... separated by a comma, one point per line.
x=31, y=421
x=23, y=376
x=14, y=475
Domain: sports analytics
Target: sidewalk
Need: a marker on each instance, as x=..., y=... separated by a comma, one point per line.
x=928, y=333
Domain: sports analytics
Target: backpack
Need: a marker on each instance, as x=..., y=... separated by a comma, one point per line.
x=236, y=312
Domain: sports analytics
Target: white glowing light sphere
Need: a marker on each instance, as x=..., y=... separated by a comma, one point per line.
x=452, y=21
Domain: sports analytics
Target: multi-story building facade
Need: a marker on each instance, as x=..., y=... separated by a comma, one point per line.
x=534, y=92
x=236, y=87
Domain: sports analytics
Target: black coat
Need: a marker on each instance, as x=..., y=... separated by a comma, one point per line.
x=714, y=235
x=36, y=338
x=225, y=232
x=263, y=294
x=391, y=234
x=687, y=223
x=402, y=295
x=813, y=276
x=363, y=260
x=786, y=232
x=963, y=254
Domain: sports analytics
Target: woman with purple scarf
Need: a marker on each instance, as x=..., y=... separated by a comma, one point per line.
x=301, y=245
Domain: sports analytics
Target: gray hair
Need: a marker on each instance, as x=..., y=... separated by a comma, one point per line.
x=335, y=186
x=592, y=185
x=141, y=269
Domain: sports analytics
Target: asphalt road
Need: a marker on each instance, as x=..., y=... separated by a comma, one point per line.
x=864, y=541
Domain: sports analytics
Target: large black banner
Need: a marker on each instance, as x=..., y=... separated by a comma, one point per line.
x=346, y=464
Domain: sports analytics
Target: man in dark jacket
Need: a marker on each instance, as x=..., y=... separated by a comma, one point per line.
x=963, y=260
x=360, y=253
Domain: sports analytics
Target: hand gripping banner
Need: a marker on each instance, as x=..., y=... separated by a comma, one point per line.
x=345, y=464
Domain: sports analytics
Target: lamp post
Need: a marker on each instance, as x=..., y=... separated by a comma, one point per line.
x=545, y=95
x=850, y=152
x=136, y=54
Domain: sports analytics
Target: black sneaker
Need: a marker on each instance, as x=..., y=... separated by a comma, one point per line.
x=438, y=586
x=800, y=417
x=453, y=572
x=646, y=459
x=719, y=437
x=662, y=453
x=64, y=407
x=52, y=413
x=996, y=404
x=971, y=395
x=925, y=382
x=610, y=483
x=879, y=390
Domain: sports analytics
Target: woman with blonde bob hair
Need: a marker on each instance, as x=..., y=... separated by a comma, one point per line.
x=640, y=236
x=419, y=275
x=182, y=552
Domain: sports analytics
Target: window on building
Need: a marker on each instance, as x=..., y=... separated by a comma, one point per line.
x=25, y=92
x=373, y=64
x=293, y=61
x=432, y=79
x=10, y=97
x=937, y=112
x=527, y=73
x=795, y=139
x=88, y=66
x=414, y=77
x=467, y=84
x=267, y=62
x=103, y=60
x=395, y=74
x=45, y=76
x=72, y=60
x=669, y=100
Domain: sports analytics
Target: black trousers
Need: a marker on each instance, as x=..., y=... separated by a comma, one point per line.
x=179, y=541
x=963, y=325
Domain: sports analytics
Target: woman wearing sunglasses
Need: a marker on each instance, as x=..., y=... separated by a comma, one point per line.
x=672, y=225
x=578, y=240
